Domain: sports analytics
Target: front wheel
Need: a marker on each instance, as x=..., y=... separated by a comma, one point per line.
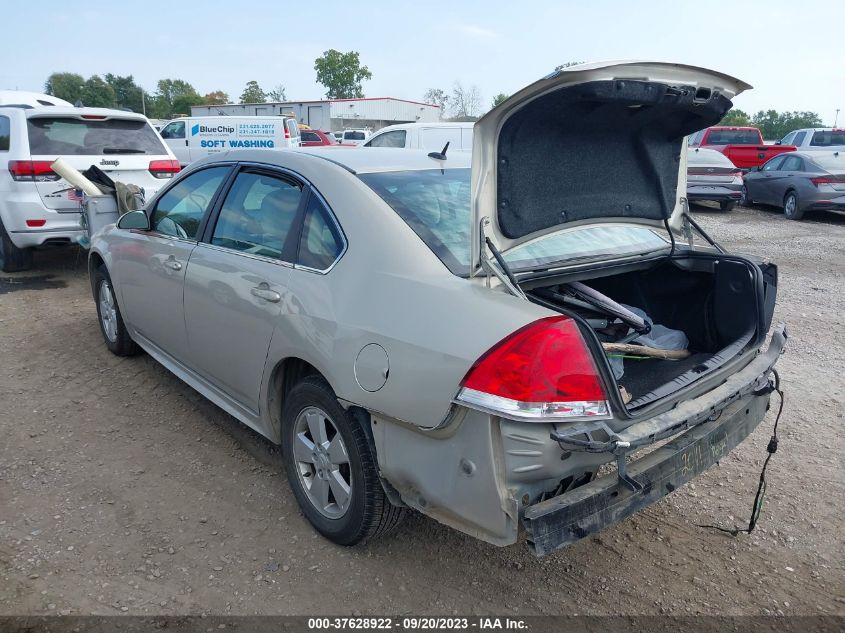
x=114, y=330
x=331, y=467
x=791, y=209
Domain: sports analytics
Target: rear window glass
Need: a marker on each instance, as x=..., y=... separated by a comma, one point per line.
x=74, y=137
x=310, y=136
x=436, y=205
x=826, y=138
x=5, y=134
x=733, y=137
x=354, y=136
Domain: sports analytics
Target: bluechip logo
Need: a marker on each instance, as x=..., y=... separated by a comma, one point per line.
x=195, y=130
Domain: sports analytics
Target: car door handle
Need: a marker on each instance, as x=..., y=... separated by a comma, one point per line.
x=170, y=263
x=265, y=293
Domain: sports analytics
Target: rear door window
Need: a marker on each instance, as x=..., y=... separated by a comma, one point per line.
x=792, y=163
x=799, y=138
x=179, y=212
x=92, y=137
x=258, y=215
x=321, y=242
x=5, y=133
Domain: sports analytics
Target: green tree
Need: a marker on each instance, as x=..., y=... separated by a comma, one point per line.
x=174, y=96
x=277, y=94
x=499, y=99
x=775, y=125
x=67, y=86
x=438, y=97
x=341, y=74
x=218, y=97
x=97, y=93
x=127, y=94
x=253, y=93
x=736, y=117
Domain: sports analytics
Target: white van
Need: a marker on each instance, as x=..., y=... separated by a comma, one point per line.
x=430, y=136
x=191, y=137
x=37, y=206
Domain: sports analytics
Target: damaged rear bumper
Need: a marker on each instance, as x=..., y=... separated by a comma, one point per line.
x=716, y=421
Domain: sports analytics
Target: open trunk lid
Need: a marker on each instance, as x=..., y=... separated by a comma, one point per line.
x=599, y=142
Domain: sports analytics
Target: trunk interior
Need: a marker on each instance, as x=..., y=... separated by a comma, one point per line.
x=722, y=304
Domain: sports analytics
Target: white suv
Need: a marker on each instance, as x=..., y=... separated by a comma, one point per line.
x=37, y=207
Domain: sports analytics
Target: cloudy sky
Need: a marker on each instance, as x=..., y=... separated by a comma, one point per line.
x=410, y=47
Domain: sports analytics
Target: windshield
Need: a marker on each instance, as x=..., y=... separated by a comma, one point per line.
x=436, y=205
x=733, y=137
x=76, y=137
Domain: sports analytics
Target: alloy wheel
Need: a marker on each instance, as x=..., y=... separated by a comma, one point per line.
x=322, y=462
x=108, y=312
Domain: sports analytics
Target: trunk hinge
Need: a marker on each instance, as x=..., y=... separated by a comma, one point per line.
x=496, y=265
x=686, y=227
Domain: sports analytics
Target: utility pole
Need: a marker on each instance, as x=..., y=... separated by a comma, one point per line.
x=837, y=117
x=144, y=102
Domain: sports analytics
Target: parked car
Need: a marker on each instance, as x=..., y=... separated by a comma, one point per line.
x=744, y=146
x=799, y=182
x=338, y=136
x=37, y=207
x=711, y=176
x=191, y=138
x=316, y=138
x=342, y=304
x=816, y=138
x=354, y=137
x=428, y=136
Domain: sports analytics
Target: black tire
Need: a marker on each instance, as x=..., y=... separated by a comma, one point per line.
x=12, y=258
x=745, y=201
x=369, y=513
x=727, y=206
x=792, y=207
x=119, y=342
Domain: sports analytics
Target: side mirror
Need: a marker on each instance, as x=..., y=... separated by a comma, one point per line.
x=778, y=142
x=134, y=220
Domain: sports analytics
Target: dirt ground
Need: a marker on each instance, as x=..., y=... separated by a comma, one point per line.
x=124, y=491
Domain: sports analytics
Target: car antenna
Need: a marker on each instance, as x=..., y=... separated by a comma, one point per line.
x=441, y=155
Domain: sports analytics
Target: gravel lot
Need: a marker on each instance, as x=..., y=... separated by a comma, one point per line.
x=124, y=491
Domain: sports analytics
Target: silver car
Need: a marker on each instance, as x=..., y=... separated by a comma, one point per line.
x=712, y=177
x=436, y=332
x=799, y=182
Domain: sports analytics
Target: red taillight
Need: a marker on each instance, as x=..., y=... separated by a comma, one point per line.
x=32, y=170
x=827, y=180
x=93, y=117
x=543, y=370
x=287, y=132
x=164, y=168
x=36, y=223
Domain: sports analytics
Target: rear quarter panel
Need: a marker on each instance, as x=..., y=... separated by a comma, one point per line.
x=389, y=289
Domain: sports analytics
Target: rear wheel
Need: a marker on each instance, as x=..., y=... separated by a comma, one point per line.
x=12, y=258
x=331, y=467
x=744, y=199
x=727, y=206
x=791, y=209
x=114, y=331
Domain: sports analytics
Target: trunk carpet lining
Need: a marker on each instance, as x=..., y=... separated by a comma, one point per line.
x=643, y=376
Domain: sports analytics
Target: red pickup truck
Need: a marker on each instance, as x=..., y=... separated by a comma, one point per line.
x=743, y=145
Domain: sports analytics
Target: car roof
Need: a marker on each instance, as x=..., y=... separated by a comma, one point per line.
x=356, y=160
x=433, y=124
